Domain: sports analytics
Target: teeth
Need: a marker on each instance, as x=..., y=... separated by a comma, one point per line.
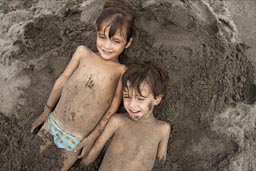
x=107, y=51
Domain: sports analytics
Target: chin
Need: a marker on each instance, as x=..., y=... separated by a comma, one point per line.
x=135, y=117
x=108, y=58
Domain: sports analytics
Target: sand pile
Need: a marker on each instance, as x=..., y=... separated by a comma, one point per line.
x=196, y=41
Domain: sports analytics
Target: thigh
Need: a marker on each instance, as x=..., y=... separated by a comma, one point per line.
x=44, y=131
x=46, y=137
x=69, y=157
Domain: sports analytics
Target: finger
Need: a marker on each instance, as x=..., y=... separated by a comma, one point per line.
x=78, y=148
x=33, y=128
x=81, y=155
x=77, y=152
x=86, y=153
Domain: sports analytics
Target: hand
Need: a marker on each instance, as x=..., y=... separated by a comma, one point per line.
x=85, y=146
x=39, y=121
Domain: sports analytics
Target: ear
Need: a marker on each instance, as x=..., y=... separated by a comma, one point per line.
x=129, y=43
x=158, y=99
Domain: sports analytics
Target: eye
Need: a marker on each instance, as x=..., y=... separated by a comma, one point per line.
x=117, y=41
x=140, y=98
x=126, y=96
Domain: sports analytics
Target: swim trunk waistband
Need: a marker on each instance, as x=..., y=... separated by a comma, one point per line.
x=61, y=138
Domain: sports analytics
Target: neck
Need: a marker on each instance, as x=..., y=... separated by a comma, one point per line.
x=148, y=118
x=115, y=60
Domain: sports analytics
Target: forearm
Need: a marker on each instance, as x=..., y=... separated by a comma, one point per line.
x=111, y=127
x=93, y=154
x=116, y=101
x=55, y=93
x=102, y=124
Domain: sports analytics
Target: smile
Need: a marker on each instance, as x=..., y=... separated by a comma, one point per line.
x=107, y=52
x=134, y=112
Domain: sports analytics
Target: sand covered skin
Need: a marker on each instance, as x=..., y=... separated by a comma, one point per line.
x=210, y=102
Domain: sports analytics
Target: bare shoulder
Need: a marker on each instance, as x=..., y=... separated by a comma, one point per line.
x=116, y=119
x=120, y=68
x=83, y=50
x=164, y=127
x=123, y=68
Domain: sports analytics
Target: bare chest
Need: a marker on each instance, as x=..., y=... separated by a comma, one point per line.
x=92, y=76
x=139, y=137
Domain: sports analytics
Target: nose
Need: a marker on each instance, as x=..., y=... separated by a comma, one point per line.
x=108, y=44
x=132, y=103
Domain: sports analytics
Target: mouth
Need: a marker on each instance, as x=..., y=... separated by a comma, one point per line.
x=107, y=52
x=134, y=112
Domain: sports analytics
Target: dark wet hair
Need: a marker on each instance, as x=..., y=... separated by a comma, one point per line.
x=119, y=15
x=153, y=75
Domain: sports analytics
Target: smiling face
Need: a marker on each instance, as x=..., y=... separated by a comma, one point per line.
x=111, y=48
x=140, y=105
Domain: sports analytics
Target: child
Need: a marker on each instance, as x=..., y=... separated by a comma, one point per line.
x=138, y=137
x=89, y=90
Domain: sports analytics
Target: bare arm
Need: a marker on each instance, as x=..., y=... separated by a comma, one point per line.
x=62, y=80
x=101, y=141
x=162, y=147
x=58, y=86
x=111, y=110
x=87, y=143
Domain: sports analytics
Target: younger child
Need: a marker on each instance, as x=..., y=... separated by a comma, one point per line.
x=138, y=137
x=89, y=90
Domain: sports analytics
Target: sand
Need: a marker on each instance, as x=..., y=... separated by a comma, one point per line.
x=211, y=95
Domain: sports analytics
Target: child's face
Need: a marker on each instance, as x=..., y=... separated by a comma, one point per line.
x=111, y=48
x=140, y=106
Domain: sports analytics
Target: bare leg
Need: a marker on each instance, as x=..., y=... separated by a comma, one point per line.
x=45, y=135
x=70, y=158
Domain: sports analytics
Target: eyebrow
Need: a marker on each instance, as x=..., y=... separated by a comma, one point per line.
x=138, y=94
x=101, y=33
x=125, y=91
x=114, y=38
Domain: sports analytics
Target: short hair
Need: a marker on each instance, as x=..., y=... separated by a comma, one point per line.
x=152, y=74
x=119, y=15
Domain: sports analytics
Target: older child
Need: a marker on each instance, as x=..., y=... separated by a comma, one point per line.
x=89, y=90
x=138, y=137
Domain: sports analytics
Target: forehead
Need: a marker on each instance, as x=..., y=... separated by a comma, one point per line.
x=144, y=88
x=105, y=28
